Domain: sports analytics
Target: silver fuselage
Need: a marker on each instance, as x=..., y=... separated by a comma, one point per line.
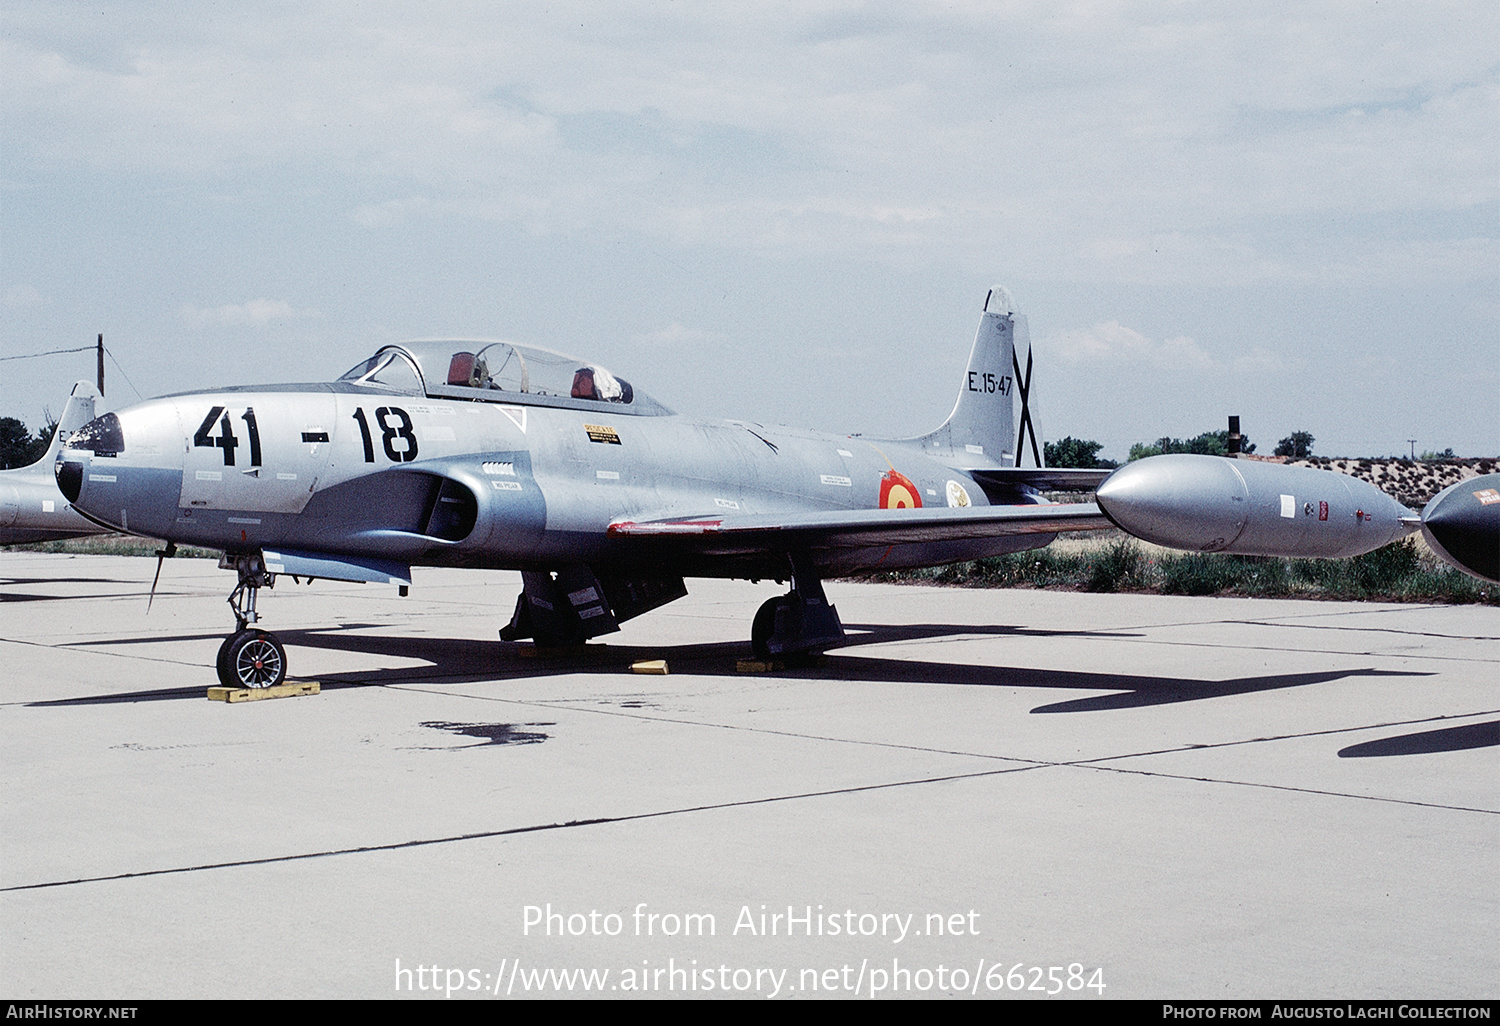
x=512, y=482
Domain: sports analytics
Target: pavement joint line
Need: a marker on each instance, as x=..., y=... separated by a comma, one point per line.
x=1110, y=636
x=1288, y=787
x=1373, y=630
x=1290, y=737
x=1382, y=630
x=487, y=834
x=1092, y=764
x=82, y=647
x=1364, y=608
x=1373, y=654
x=1365, y=653
x=718, y=806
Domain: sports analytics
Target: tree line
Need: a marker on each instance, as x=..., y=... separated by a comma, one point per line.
x=1078, y=452
x=18, y=446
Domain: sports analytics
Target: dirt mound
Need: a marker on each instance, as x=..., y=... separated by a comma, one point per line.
x=1411, y=482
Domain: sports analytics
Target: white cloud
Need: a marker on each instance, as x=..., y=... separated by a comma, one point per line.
x=255, y=313
x=1068, y=131
x=383, y=215
x=1113, y=343
x=676, y=335
x=1262, y=362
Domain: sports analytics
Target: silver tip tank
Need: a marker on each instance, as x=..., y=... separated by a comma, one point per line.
x=1247, y=507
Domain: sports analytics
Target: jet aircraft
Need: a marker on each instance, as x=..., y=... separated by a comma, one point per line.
x=31, y=507
x=493, y=454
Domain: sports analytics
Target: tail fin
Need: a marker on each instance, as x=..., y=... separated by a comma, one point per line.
x=78, y=412
x=988, y=428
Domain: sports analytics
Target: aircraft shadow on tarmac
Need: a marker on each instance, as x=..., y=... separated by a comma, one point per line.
x=1427, y=742
x=22, y=596
x=465, y=660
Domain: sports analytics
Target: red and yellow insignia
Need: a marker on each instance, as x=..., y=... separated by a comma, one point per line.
x=898, y=492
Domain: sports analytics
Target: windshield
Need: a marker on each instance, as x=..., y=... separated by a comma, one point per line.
x=390, y=369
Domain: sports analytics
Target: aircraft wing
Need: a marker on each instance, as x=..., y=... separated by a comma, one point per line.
x=860, y=528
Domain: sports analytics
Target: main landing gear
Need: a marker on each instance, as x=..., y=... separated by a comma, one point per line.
x=799, y=624
x=250, y=657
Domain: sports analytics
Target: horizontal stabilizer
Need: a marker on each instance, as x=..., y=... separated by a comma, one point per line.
x=1052, y=479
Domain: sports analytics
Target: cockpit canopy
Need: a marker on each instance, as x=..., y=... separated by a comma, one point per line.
x=488, y=371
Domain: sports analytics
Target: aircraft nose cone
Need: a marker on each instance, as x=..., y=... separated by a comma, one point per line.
x=1462, y=525
x=1195, y=502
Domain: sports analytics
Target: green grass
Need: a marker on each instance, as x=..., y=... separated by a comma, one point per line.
x=111, y=545
x=1398, y=572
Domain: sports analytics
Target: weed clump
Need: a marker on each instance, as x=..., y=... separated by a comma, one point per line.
x=1114, y=567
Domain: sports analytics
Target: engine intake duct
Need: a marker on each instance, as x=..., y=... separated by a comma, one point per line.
x=452, y=510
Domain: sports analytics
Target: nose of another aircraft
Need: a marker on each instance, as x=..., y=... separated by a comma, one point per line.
x=1462, y=525
x=102, y=437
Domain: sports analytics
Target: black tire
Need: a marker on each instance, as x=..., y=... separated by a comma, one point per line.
x=253, y=659
x=763, y=626
x=221, y=666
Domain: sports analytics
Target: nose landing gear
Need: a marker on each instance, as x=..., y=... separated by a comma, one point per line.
x=250, y=657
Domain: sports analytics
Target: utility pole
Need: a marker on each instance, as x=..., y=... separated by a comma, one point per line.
x=101, y=363
x=1413, y=442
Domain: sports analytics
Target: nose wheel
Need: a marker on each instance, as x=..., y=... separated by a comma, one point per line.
x=250, y=657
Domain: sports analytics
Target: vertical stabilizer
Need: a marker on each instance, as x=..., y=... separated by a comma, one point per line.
x=78, y=412
x=991, y=424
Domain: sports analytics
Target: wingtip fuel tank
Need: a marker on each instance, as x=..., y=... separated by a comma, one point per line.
x=1245, y=507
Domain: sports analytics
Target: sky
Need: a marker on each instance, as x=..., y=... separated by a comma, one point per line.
x=781, y=212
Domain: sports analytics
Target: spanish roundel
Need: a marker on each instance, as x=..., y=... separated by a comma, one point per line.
x=897, y=492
